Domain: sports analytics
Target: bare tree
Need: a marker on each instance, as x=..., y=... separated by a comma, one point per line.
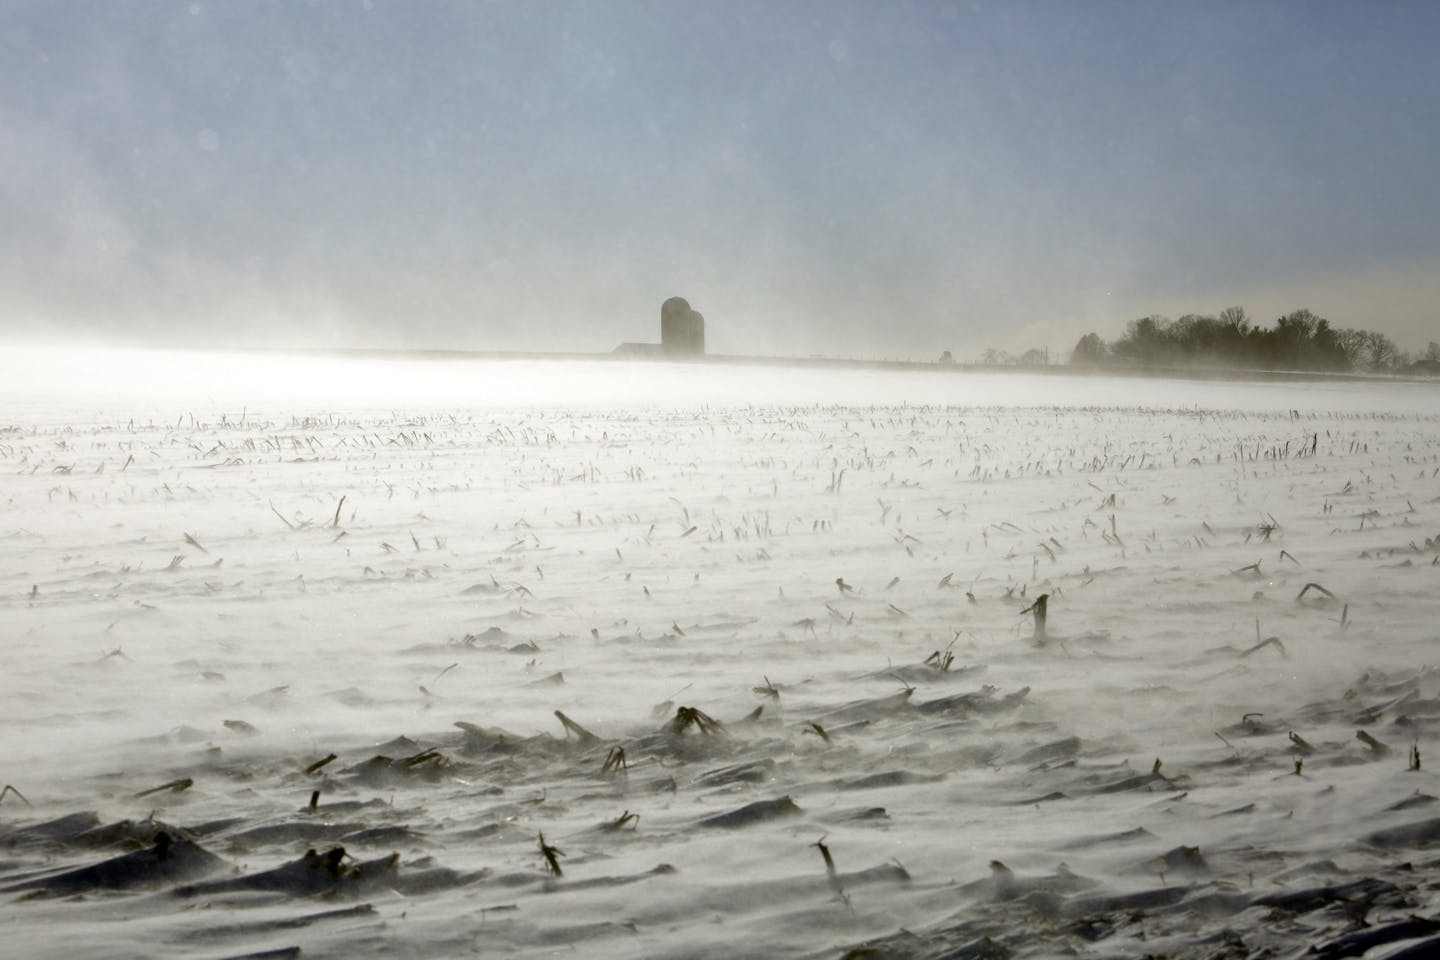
x=1301, y=322
x=1352, y=342
x=1380, y=350
x=1089, y=349
x=1236, y=319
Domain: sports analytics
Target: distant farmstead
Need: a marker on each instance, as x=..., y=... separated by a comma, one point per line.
x=682, y=333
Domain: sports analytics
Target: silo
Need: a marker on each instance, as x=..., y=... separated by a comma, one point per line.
x=682, y=330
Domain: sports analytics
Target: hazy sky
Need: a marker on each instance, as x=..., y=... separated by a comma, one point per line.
x=872, y=178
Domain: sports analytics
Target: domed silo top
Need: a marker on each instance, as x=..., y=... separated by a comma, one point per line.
x=682, y=330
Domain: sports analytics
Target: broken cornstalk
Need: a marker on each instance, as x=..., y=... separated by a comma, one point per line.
x=552, y=857
x=9, y=789
x=1038, y=609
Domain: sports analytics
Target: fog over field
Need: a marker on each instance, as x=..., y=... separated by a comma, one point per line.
x=393, y=657
x=220, y=384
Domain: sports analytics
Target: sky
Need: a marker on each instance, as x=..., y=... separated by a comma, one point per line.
x=864, y=178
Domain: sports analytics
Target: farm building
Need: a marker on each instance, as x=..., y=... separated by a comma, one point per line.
x=682, y=333
x=682, y=330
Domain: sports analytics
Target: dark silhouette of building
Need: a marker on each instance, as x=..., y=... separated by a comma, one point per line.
x=682, y=330
x=682, y=333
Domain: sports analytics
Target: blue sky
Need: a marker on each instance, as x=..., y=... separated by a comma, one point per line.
x=858, y=178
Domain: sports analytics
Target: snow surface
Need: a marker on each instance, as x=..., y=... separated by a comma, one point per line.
x=223, y=569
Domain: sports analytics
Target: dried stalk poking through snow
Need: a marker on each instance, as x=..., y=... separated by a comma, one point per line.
x=176, y=786
x=281, y=516
x=769, y=690
x=814, y=728
x=940, y=661
x=615, y=761
x=1317, y=588
x=620, y=822
x=319, y=764
x=831, y=873
x=833, y=876
x=1378, y=748
x=9, y=790
x=1262, y=644
x=552, y=857
x=1038, y=609
x=1267, y=642
x=685, y=717
x=584, y=736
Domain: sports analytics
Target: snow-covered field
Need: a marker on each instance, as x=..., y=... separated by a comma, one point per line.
x=265, y=606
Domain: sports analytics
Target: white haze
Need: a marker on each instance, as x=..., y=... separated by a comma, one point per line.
x=160, y=383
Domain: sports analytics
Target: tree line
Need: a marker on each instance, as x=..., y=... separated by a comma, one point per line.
x=1297, y=341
